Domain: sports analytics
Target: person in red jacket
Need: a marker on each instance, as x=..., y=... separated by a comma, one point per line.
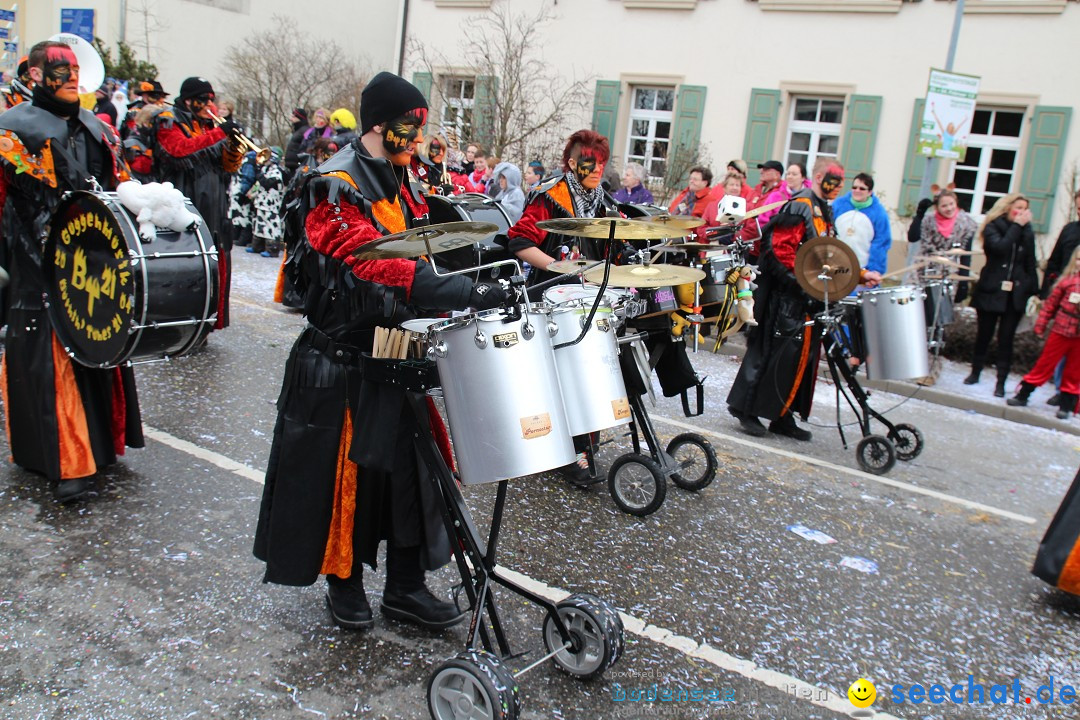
x=1062, y=308
x=695, y=197
x=198, y=158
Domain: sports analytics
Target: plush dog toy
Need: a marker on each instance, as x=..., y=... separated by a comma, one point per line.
x=744, y=294
x=156, y=205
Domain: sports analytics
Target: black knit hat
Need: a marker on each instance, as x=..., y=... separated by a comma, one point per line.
x=301, y=113
x=386, y=97
x=193, y=87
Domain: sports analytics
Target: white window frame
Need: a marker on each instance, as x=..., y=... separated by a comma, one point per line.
x=815, y=128
x=652, y=117
x=458, y=103
x=983, y=169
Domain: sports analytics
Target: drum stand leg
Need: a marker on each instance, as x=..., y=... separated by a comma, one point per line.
x=475, y=559
x=642, y=420
x=858, y=399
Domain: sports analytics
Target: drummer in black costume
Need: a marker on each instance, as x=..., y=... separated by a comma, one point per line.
x=344, y=473
x=576, y=193
x=64, y=420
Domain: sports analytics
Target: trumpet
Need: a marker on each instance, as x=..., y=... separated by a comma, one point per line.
x=262, y=154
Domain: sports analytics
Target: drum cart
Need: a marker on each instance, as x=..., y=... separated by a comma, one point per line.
x=875, y=454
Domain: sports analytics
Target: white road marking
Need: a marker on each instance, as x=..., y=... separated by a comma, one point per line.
x=907, y=487
x=788, y=684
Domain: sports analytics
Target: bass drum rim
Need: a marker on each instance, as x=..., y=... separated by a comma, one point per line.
x=456, y=208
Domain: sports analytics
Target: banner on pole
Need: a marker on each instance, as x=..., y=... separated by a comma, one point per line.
x=947, y=117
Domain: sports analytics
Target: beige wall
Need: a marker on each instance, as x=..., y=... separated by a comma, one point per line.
x=734, y=46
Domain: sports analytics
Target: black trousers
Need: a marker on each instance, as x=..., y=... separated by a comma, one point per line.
x=1005, y=323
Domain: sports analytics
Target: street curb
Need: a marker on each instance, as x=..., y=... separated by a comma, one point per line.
x=999, y=409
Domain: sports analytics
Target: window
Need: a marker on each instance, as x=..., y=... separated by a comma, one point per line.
x=651, y=117
x=457, y=108
x=989, y=167
x=813, y=130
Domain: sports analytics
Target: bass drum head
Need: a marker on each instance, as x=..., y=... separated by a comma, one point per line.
x=89, y=278
x=477, y=208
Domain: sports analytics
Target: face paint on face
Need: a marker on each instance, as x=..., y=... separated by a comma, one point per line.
x=61, y=73
x=588, y=167
x=833, y=180
x=199, y=103
x=436, y=151
x=402, y=134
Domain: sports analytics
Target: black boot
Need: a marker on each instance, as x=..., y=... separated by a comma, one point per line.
x=786, y=426
x=976, y=370
x=408, y=599
x=348, y=602
x=1066, y=406
x=1021, y=398
x=72, y=490
x=1054, y=399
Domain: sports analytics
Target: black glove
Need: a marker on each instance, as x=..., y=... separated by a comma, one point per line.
x=232, y=128
x=486, y=297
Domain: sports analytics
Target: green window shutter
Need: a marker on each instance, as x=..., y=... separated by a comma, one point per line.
x=761, y=121
x=686, y=135
x=860, y=134
x=606, y=109
x=487, y=87
x=422, y=81
x=1043, y=160
x=914, y=165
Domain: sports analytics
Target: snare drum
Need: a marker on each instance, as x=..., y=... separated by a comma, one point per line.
x=939, y=303
x=114, y=300
x=479, y=208
x=618, y=298
x=589, y=377
x=501, y=390
x=894, y=332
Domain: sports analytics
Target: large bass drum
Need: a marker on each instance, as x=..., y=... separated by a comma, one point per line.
x=115, y=299
x=478, y=208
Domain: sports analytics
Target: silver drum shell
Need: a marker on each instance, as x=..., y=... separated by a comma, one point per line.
x=894, y=326
x=502, y=395
x=591, y=382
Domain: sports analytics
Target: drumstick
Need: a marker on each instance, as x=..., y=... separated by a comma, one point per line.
x=946, y=261
x=904, y=270
x=376, y=346
x=403, y=351
x=395, y=341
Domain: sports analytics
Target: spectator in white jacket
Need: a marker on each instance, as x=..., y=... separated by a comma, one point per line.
x=510, y=196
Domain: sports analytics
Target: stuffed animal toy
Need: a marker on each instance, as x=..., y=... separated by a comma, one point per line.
x=687, y=314
x=744, y=294
x=157, y=205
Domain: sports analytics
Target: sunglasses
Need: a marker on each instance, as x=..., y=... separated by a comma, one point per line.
x=861, y=188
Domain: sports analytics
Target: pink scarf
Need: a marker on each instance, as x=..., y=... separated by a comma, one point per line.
x=944, y=224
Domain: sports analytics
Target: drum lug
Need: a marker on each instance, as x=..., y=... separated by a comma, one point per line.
x=528, y=332
x=480, y=339
x=553, y=328
x=437, y=350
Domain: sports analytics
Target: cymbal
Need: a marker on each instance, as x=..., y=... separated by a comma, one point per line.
x=964, y=278
x=960, y=251
x=826, y=256
x=569, y=267
x=639, y=276
x=414, y=243
x=600, y=228
x=681, y=222
x=702, y=247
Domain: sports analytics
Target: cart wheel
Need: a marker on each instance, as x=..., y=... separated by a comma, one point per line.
x=596, y=631
x=875, y=454
x=696, y=459
x=637, y=484
x=907, y=440
x=474, y=685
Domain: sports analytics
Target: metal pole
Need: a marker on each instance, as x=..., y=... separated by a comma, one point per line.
x=931, y=162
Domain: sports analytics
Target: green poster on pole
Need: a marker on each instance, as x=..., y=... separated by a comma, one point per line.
x=950, y=108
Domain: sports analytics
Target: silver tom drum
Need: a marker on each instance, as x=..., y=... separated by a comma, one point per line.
x=620, y=300
x=501, y=391
x=717, y=266
x=894, y=332
x=589, y=377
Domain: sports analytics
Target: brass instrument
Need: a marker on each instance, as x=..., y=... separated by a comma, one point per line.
x=262, y=154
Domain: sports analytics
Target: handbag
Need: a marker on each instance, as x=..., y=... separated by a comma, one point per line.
x=1058, y=559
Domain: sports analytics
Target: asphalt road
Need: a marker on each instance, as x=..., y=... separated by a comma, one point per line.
x=145, y=601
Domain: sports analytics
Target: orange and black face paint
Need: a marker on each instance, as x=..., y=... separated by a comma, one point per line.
x=832, y=181
x=587, y=162
x=404, y=129
x=61, y=67
x=198, y=103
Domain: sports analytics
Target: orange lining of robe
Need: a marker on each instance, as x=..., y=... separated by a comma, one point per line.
x=76, y=456
x=279, y=286
x=1069, y=579
x=7, y=405
x=804, y=357
x=561, y=195
x=338, y=557
x=389, y=215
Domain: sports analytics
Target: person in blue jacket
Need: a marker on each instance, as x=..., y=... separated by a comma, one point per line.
x=863, y=223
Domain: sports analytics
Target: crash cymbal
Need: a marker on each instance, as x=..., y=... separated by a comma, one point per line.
x=826, y=256
x=569, y=267
x=414, y=243
x=601, y=228
x=639, y=276
x=679, y=222
x=961, y=251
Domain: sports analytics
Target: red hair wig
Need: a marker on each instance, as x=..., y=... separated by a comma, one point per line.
x=585, y=142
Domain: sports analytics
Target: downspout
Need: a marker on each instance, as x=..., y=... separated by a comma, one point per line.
x=404, y=36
